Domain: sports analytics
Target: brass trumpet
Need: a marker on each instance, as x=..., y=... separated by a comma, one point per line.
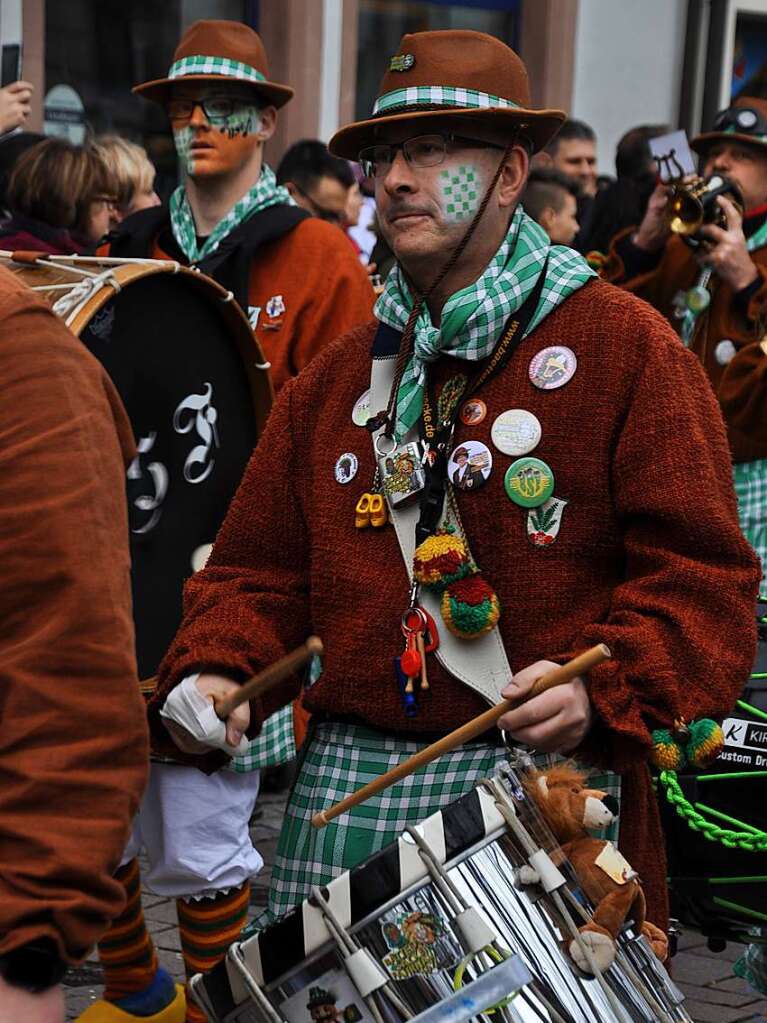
x=692, y=204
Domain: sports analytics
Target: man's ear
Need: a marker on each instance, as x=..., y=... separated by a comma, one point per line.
x=546, y=218
x=268, y=117
x=513, y=177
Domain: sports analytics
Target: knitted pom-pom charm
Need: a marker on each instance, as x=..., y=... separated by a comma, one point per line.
x=440, y=560
x=470, y=607
x=705, y=743
x=666, y=753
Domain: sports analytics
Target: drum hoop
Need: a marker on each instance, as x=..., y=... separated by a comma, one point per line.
x=119, y=272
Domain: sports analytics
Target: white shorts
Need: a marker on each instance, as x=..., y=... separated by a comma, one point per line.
x=193, y=828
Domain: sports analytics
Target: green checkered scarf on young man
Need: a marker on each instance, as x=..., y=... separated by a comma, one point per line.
x=338, y=759
x=472, y=318
x=266, y=192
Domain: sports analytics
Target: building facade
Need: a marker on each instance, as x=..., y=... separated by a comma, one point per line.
x=612, y=63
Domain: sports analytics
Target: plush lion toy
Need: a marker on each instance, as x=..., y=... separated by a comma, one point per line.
x=613, y=888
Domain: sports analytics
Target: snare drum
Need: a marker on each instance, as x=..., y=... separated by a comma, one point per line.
x=435, y=927
x=193, y=381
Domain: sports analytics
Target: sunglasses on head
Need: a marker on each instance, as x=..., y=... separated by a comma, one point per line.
x=741, y=119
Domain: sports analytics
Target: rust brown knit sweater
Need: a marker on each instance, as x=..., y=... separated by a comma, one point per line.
x=649, y=558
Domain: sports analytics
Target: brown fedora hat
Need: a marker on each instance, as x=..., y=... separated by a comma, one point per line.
x=226, y=51
x=460, y=74
x=744, y=121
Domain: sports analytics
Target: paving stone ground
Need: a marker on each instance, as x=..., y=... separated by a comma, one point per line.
x=714, y=994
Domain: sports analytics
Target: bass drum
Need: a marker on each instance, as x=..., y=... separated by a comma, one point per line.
x=193, y=380
x=716, y=833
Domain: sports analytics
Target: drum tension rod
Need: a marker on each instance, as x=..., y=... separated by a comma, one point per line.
x=365, y=972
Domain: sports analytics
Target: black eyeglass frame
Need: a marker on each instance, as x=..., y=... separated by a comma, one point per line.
x=368, y=163
x=213, y=118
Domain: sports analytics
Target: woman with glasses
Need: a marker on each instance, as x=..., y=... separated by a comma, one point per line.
x=61, y=199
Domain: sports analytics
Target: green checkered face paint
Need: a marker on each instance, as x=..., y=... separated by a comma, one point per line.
x=460, y=192
x=217, y=138
x=182, y=138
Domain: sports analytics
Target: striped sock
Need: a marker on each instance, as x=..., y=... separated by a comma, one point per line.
x=207, y=928
x=126, y=950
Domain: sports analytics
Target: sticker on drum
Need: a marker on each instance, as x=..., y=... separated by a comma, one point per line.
x=419, y=938
x=330, y=998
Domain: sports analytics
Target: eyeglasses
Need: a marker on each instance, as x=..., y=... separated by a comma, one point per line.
x=744, y=119
x=215, y=108
x=421, y=151
x=321, y=212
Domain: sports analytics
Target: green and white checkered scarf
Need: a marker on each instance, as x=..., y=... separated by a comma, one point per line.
x=266, y=192
x=473, y=318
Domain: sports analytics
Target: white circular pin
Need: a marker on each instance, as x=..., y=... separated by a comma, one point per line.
x=346, y=467
x=200, y=556
x=552, y=367
x=516, y=432
x=361, y=410
x=724, y=351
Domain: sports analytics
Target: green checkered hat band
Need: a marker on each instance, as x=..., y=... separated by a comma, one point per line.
x=439, y=96
x=202, y=65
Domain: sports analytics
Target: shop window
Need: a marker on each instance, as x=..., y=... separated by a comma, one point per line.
x=99, y=49
x=382, y=23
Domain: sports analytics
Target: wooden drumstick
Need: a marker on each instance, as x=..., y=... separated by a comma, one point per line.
x=565, y=673
x=268, y=678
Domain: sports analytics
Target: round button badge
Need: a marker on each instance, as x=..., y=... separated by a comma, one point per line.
x=724, y=352
x=473, y=412
x=346, y=467
x=516, y=431
x=552, y=367
x=529, y=482
x=361, y=410
x=470, y=465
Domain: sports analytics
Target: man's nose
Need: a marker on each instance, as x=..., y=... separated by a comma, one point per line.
x=198, y=118
x=399, y=177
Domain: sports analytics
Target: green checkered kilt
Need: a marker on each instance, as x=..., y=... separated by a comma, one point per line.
x=275, y=745
x=339, y=759
x=751, y=490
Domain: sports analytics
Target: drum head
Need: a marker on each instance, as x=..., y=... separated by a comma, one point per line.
x=183, y=361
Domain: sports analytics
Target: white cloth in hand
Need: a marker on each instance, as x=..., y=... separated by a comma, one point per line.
x=189, y=708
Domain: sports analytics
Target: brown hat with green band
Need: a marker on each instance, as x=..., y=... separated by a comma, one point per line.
x=225, y=51
x=744, y=121
x=465, y=76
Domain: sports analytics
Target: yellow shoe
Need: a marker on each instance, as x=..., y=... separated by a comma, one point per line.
x=378, y=516
x=105, y=1012
x=362, y=512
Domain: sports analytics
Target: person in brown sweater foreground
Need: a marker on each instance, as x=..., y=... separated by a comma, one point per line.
x=302, y=285
x=74, y=752
x=606, y=514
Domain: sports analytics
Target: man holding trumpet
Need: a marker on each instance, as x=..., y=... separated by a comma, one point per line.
x=716, y=294
x=599, y=434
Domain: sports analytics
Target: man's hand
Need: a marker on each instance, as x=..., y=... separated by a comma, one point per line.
x=554, y=722
x=17, y=1005
x=653, y=232
x=212, y=687
x=15, y=105
x=726, y=252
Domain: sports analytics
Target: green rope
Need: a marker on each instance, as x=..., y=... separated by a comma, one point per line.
x=752, y=710
x=746, y=910
x=750, y=841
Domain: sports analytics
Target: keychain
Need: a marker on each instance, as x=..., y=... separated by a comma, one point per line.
x=421, y=638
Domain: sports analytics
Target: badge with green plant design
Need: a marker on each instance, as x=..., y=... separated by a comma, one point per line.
x=544, y=521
